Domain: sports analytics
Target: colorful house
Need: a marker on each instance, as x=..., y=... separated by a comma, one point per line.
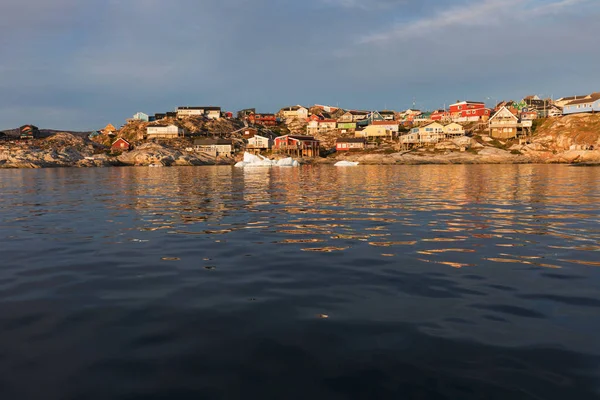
x=264, y=119
x=121, y=145
x=504, y=124
x=346, y=127
x=298, y=145
x=440, y=115
x=587, y=104
x=469, y=111
x=350, y=144
x=377, y=132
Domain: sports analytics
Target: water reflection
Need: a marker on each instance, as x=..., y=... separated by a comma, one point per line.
x=131, y=266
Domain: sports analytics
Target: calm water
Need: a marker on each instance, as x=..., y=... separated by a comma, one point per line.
x=401, y=282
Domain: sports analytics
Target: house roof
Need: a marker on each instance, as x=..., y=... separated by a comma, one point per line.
x=385, y=123
x=387, y=112
x=327, y=120
x=158, y=125
x=587, y=99
x=504, y=108
x=292, y=108
x=121, y=140
x=359, y=112
x=299, y=137
x=351, y=140
x=210, y=142
x=208, y=108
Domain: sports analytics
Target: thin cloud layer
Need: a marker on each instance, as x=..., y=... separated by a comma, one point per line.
x=79, y=65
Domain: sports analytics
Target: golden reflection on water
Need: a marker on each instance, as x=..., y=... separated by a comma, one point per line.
x=483, y=211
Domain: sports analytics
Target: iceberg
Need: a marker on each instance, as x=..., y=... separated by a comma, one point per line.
x=346, y=164
x=251, y=160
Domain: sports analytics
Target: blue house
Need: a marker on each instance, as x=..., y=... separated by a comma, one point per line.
x=140, y=116
x=587, y=104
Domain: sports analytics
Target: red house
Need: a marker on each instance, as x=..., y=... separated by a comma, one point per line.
x=299, y=145
x=121, y=145
x=469, y=111
x=263, y=119
x=440, y=115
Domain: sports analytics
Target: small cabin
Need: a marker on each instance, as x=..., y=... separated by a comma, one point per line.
x=29, y=132
x=121, y=145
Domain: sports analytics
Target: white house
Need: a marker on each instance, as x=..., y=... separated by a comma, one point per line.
x=454, y=129
x=209, y=112
x=431, y=133
x=215, y=147
x=320, y=126
x=292, y=112
x=159, y=131
x=410, y=138
x=258, y=142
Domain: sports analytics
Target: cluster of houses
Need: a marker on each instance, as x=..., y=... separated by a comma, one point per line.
x=354, y=129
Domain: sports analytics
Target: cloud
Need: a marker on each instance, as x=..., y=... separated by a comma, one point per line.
x=488, y=13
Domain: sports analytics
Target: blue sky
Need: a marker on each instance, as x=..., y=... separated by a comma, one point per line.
x=74, y=64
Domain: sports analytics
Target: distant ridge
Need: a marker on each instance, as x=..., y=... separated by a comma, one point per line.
x=45, y=132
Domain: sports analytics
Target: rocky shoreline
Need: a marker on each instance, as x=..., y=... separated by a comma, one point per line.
x=66, y=150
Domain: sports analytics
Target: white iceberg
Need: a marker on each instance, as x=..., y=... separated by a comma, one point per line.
x=346, y=164
x=252, y=160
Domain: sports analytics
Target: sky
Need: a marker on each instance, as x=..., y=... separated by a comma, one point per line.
x=80, y=64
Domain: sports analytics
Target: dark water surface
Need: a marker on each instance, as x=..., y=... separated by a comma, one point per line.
x=401, y=282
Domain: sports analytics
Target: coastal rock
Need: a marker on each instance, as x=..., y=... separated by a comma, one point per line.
x=153, y=154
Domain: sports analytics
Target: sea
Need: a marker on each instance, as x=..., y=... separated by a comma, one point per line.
x=369, y=282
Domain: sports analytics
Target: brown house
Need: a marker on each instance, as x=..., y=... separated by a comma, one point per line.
x=348, y=144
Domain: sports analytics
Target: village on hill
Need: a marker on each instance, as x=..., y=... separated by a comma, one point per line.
x=326, y=131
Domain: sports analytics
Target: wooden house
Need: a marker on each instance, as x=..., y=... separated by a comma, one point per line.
x=504, y=124
x=249, y=132
x=214, y=147
x=163, y=131
x=29, y=132
x=350, y=144
x=297, y=145
x=410, y=139
x=121, y=145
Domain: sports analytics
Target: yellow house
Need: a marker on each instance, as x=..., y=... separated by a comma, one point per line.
x=110, y=128
x=376, y=131
x=454, y=129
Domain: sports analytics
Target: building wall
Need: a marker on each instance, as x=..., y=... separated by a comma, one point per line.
x=591, y=106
